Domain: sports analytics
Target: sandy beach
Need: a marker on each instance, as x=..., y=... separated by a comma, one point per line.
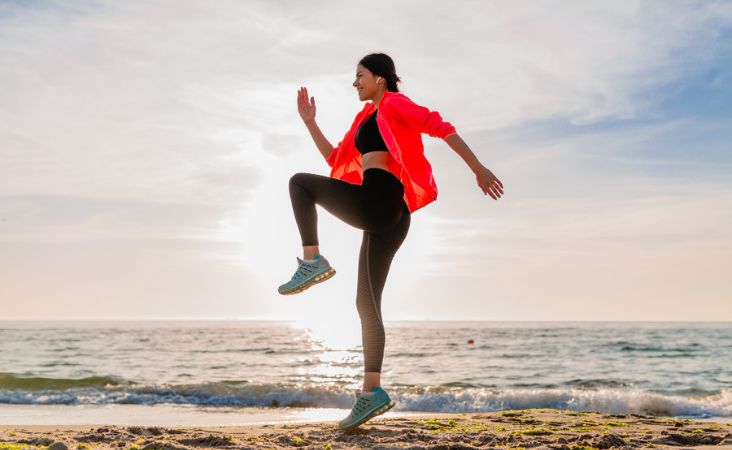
x=530, y=428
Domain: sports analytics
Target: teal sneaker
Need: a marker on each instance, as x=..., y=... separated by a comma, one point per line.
x=366, y=407
x=307, y=274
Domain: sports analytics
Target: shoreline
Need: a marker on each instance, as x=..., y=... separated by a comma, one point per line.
x=536, y=427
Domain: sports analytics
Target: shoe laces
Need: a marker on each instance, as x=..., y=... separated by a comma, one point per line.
x=361, y=404
x=303, y=270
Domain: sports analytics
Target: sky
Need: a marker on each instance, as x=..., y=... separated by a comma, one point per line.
x=146, y=148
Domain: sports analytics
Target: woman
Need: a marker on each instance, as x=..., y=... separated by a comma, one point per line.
x=379, y=177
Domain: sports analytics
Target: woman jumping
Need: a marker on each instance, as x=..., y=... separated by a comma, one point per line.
x=379, y=177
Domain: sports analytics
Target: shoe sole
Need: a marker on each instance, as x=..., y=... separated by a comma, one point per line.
x=378, y=412
x=318, y=279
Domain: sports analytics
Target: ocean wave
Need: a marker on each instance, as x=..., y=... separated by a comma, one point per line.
x=610, y=400
x=658, y=348
x=598, y=383
x=34, y=383
x=451, y=397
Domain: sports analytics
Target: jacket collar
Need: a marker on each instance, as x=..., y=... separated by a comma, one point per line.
x=387, y=94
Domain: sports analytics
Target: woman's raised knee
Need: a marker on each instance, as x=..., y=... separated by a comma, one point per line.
x=298, y=178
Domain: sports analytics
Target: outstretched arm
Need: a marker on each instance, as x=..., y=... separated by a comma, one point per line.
x=487, y=182
x=431, y=122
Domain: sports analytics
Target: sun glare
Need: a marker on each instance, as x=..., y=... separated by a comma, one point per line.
x=341, y=334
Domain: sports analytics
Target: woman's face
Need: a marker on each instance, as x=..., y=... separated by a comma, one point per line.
x=367, y=84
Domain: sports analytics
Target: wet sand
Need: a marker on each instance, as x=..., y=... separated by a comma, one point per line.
x=530, y=428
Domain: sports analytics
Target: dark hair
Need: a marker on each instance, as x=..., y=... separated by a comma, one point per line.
x=382, y=65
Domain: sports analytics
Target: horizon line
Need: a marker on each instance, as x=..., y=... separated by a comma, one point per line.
x=217, y=319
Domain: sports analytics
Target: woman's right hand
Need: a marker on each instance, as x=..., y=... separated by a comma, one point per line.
x=305, y=106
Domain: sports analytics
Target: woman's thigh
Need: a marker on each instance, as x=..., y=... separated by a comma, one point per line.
x=349, y=202
x=395, y=235
x=377, y=252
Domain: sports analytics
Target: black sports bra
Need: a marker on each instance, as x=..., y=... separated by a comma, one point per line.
x=368, y=138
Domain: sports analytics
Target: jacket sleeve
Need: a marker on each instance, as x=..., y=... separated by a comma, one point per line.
x=429, y=122
x=332, y=157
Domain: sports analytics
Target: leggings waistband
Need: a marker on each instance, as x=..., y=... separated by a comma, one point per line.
x=378, y=172
x=383, y=179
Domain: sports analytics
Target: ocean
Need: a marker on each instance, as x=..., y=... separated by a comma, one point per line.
x=237, y=372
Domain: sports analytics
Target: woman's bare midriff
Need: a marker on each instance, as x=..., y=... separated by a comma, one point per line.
x=378, y=159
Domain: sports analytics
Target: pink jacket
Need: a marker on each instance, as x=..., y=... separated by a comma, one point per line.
x=401, y=123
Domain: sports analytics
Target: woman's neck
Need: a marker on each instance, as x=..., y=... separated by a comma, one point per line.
x=378, y=99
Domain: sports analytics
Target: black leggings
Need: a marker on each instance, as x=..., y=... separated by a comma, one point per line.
x=377, y=207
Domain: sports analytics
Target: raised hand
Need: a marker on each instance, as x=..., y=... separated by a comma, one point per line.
x=305, y=107
x=489, y=183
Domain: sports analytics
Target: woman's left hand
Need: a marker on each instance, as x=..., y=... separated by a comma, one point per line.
x=489, y=183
